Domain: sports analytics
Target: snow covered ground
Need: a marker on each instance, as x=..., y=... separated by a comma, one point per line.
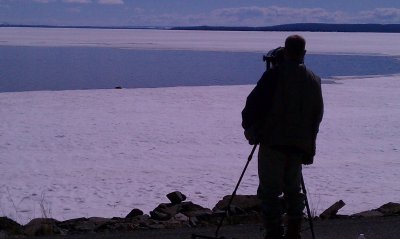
x=104, y=152
x=317, y=42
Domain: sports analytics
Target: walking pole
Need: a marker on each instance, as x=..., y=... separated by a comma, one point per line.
x=310, y=220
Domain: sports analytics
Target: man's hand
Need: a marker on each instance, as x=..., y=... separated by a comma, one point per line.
x=252, y=135
x=307, y=159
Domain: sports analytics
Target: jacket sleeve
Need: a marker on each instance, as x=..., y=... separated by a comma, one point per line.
x=319, y=104
x=249, y=113
x=257, y=102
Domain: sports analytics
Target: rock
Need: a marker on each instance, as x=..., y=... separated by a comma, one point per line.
x=98, y=220
x=10, y=227
x=156, y=215
x=72, y=224
x=124, y=227
x=340, y=216
x=172, y=224
x=332, y=210
x=176, y=197
x=193, y=221
x=153, y=224
x=170, y=209
x=116, y=225
x=193, y=210
x=371, y=213
x=83, y=225
x=243, y=209
x=247, y=203
x=390, y=209
x=181, y=217
x=140, y=220
x=37, y=221
x=197, y=214
x=42, y=227
x=190, y=206
x=134, y=213
x=210, y=219
x=234, y=210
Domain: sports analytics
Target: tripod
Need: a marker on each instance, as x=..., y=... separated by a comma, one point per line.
x=195, y=236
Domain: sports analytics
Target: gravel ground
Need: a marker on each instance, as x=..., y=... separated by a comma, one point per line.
x=373, y=228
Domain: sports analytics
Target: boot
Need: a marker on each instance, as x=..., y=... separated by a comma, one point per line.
x=293, y=229
x=274, y=231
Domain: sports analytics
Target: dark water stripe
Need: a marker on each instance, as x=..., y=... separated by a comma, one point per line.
x=70, y=68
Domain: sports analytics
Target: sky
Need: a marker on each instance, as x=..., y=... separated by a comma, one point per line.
x=196, y=12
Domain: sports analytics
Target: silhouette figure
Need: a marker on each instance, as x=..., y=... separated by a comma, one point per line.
x=283, y=113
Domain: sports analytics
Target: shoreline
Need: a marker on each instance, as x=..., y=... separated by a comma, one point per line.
x=298, y=27
x=180, y=216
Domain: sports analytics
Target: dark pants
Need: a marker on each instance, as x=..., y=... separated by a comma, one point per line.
x=279, y=171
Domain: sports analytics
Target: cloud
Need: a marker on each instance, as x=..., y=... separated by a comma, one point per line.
x=111, y=2
x=381, y=15
x=74, y=10
x=273, y=15
x=266, y=16
x=282, y=15
x=104, y=2
x=77, y=1
x=44, y=1
x=243, y=16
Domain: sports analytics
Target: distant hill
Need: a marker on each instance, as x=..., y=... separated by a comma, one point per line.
x=306, y=27
x=79, y=27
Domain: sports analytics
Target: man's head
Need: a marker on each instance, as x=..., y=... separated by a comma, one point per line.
x=295, y=48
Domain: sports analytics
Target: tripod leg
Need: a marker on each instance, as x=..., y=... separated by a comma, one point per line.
x=236, y=188
x=310, y=220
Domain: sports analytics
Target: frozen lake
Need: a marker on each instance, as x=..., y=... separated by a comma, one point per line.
x=74, y=68
x=70, y=59
x=103, y=152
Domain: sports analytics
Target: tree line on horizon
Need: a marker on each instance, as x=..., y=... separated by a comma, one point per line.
x=309, y=27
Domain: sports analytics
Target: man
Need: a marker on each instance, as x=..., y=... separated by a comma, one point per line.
x=282, y=114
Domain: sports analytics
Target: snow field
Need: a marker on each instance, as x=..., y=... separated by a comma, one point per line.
x=104, y=152
x=317, y=42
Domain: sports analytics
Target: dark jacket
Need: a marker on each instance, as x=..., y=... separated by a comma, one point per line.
x=285, y=108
